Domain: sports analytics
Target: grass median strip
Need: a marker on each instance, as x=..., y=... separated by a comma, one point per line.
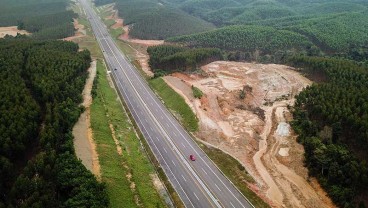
x=126, y=172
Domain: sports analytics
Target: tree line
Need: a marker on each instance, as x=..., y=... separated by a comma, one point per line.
x=170, y=58
x=41, y=84
x=331, y=119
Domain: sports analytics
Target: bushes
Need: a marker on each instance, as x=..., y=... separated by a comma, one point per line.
x=197, y=93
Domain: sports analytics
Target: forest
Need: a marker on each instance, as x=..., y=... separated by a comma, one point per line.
x=331, y=119
x=152, y=20
x=167, y=59
x=41, y=84
x=46, y=19
x=256, y=40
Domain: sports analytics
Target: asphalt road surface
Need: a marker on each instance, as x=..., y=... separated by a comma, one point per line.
x=199, y=183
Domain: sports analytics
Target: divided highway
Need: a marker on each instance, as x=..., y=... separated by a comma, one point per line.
x=199, y=183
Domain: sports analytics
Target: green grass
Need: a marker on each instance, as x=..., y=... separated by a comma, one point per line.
x=106, y=109
x=197, y=93
x=176, y=103
x=109, y=22
x=235, y=172
x=115, y=33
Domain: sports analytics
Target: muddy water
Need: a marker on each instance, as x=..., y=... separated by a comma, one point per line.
x=83, y=142
x=82, y=146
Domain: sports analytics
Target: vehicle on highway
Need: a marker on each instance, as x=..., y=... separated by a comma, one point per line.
x=192, y=158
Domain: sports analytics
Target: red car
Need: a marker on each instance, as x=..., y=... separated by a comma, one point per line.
x=192, y=158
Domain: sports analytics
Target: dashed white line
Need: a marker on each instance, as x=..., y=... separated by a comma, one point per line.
x=165, y=150
x=175, y=165
x=232, y=204
x=204, y=171
x=157, y=139
x=197, y=196
x=184, y=178
x=183, y=144
x=217, y=187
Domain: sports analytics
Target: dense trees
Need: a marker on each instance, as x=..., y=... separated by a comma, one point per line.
x=253, y=39
x=47, y=19
x=41, y=86
x=173, y=58
x=152, y=20
x=332, y=122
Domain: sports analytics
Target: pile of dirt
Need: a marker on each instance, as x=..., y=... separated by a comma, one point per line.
x=13, y=30
x=243, y=112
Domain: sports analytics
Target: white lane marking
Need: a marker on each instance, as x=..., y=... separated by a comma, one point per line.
x=184, y=178
x=157, y=139
x=217, y=187
x=204, y=171
x=175, y=126
x=174, y=133
x=151, y=128
x=149, y=135
x=196, y=196
x=146, y=120
x=174, y=164
x=232, y=204
x=183, y=144
x=165, y=150
x=162, y=117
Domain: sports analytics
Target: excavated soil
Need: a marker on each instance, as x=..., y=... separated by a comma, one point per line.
x=254, y=129
x=13, y=30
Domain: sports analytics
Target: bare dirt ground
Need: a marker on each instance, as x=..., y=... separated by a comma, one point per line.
x=254, y=129
x=84, y=145
x=81, y=32
x=13, y=30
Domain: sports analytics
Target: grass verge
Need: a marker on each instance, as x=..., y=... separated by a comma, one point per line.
x=115, y=168
x=176, y=103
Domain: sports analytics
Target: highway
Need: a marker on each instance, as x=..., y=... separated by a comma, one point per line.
x=198, y=183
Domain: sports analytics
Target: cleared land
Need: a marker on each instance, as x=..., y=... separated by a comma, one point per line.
x=13, y=30
x=252, y=127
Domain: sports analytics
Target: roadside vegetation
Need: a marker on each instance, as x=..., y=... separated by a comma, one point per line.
x=125, y=172
x=176, y=103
